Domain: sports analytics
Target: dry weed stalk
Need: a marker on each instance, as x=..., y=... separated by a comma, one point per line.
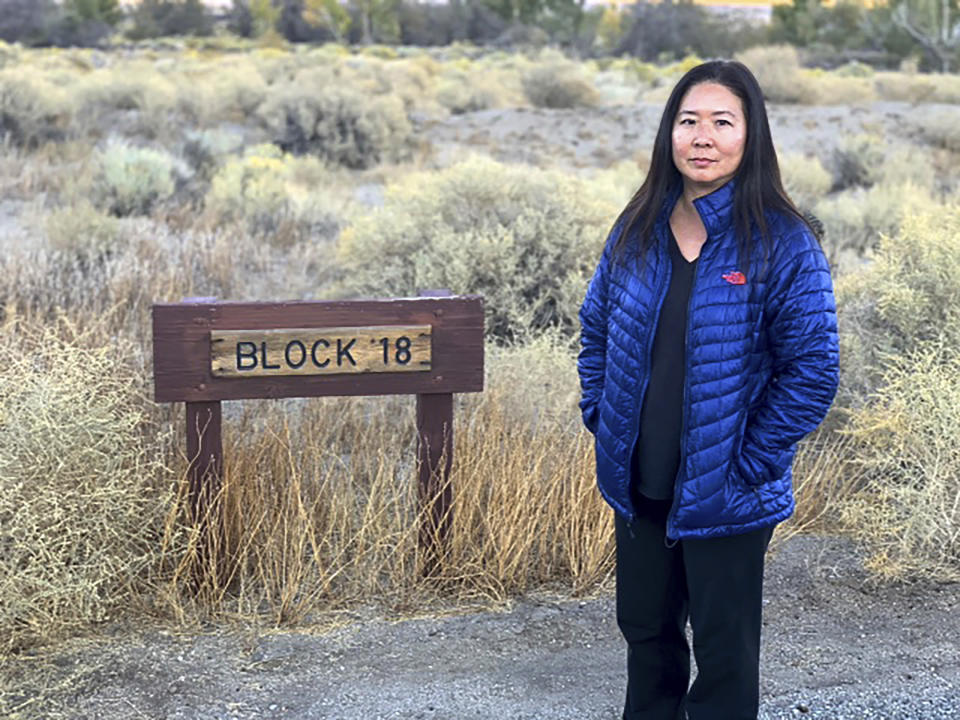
x=319, y=510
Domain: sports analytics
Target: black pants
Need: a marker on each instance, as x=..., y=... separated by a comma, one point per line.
x=717, y=583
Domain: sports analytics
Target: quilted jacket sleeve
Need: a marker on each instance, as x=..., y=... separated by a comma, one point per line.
x=591, y=362
x=802, y=329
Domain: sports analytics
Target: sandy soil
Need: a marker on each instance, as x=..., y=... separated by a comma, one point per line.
x=598, y=137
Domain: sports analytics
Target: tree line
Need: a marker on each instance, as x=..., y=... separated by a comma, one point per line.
x=923, y=33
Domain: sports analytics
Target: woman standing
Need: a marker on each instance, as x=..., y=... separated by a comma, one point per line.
x=708, y=349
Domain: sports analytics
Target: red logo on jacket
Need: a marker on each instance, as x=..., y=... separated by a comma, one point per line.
x=735, y=278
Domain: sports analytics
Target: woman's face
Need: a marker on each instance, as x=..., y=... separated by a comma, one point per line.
x=709, y=134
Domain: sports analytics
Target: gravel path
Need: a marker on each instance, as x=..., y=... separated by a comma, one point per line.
x=834, y=649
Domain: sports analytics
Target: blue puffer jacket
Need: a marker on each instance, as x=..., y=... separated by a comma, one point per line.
x=761, y=368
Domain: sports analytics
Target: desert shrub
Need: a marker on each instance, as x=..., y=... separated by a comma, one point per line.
x=32, y=110
x=205, y=150
x=904, y=87
x=132, y=180
x=899, y=333
x=9, y=54
x=857, y=160
x=942, y=129
x=804, y=178
x=406, y=79
x=340, y=123
x=856, y=219
x=908, y=163
x=252, y=188
x=559, y=84
x=80, y=502
x=900, y=302
x=833, y=89
x=620, y=83
x=322, y=515
x=909, y=450
x=855, y=69
x=273, y=194
x=777, y=69
x=461, y=94
x=526, y=239
x=220, y=94
x=946, y=88
x=82, y=231
x=135, y=98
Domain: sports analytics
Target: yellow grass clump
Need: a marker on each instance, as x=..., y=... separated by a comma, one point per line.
x=317, y=514
x=804, y=178
x=777, y=69
x=908, y=512
x=81, y=493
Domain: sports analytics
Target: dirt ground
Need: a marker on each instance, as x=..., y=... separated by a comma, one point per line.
x=598, y=137
x=835, y=647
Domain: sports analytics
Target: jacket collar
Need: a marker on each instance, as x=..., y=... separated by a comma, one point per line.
x=716, y=209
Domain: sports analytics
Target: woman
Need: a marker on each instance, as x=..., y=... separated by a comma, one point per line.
x=708, y=349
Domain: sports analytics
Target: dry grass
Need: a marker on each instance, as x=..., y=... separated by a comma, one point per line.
x=908, y=512
x=82, y=484
x=319, y=507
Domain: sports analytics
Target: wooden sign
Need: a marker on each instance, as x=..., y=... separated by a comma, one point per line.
x=186, y=368
x=320, y=351
x=206, y=351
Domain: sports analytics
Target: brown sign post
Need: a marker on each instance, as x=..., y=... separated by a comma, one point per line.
x=205, y=352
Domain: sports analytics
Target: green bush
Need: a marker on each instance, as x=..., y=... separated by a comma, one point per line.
x=777, y=69
x=132, y=180
x=855, y=69
x=317, y=114
x=525, y=239
x=856, y=219
x=909, y=451
x=32, y=110
x=900, y=383
x=460, y=93
x=946, y=88
x=135, y=96
x=857, y=160
x=80, y=511
x=273, y=194
x=942, y=129
x=903, y=300
x=559, y=84
x=82, y=231
x=804, y=178
x=904, y=87
x=253, y=189
x=833, y=89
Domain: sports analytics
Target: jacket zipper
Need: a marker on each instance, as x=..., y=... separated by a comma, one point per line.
x=681, y=471
x=649, y=352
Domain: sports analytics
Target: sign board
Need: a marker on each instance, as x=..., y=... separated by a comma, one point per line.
x=320, y=351
x=206, y=351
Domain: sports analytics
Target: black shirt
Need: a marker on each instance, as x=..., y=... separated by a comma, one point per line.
x=656, y=457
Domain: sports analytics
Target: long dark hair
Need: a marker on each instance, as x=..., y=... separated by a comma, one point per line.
x=758, y=185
